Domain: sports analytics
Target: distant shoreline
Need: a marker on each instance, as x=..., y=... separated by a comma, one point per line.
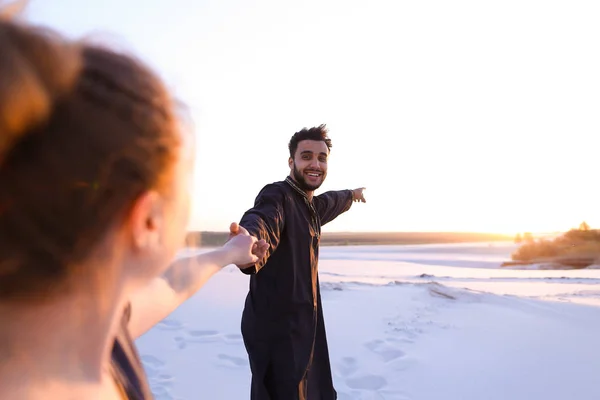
x=210, y=239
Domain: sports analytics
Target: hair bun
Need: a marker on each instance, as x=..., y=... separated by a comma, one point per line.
x=36, y=67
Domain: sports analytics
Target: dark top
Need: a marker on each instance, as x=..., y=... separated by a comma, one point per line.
x=282, y=321
x=128, y=369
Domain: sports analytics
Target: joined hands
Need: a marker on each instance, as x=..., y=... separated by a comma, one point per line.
x=246, y=250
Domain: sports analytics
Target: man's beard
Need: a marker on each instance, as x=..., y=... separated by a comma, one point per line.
x=301, y=182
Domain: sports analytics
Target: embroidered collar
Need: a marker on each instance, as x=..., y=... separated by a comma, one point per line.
x=293, y=184
x=314, y=217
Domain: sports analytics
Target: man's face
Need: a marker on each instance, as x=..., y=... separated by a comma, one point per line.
x=309, y=165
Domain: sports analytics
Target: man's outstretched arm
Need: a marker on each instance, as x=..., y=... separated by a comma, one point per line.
x=265, y=221
x=333, y=203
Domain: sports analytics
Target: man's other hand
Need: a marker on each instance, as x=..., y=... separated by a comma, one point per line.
x=358, y=195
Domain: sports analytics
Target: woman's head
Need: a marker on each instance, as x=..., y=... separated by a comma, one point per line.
x=92, y=164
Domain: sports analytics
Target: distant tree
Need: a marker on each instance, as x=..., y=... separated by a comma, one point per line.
x=518, y=239
x=584, y=226
x=581, y=244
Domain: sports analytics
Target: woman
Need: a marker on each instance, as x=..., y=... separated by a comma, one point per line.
x=94, y=178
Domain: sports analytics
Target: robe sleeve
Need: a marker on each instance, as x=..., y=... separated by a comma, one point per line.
x=265, y=221
x=331, y=204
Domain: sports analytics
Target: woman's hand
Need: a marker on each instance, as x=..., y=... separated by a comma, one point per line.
x=244, y=250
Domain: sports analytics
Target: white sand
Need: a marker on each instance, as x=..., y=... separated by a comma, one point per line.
x=466, y=330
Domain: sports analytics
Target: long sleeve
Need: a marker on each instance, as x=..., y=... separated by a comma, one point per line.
x=331, y=204
x=265, y=221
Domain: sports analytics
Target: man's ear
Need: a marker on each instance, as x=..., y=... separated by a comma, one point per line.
x=290, y=162
x=146, y=221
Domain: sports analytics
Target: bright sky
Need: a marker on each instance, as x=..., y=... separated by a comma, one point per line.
x=456, y=115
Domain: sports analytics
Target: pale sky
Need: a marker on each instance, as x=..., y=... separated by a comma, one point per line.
x=456, y=115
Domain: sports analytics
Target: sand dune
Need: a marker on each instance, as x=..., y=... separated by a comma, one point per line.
x=402, y=327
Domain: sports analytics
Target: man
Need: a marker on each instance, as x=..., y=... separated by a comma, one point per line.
x=282, y=322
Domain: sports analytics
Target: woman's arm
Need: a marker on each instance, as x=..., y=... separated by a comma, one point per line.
x=185, y=277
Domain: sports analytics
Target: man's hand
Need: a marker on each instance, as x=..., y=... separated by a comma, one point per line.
x=358, y=195
x=258, y=250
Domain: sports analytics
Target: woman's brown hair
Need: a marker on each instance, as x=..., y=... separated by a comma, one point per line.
x=83, y=132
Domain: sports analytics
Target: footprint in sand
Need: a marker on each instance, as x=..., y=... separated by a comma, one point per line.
x=399, y=340
x=409, y=332
x=233, y=338
x=367, y=382
x=203, y=336
x=152, y=365
x=160, y=382
x=385, y=350
x=228, y=361
x=181, y=343
x=347, y=366
x=153, y=361
x=165, y=380
x=358, y=395
x=162, y=393
x=197, y=336
x=170, y=325
x=382, y=395
x=162, y=386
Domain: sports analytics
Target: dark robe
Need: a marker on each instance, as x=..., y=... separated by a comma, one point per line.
x=282, y=322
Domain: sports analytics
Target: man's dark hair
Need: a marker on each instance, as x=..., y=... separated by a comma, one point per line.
x=314, y=133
